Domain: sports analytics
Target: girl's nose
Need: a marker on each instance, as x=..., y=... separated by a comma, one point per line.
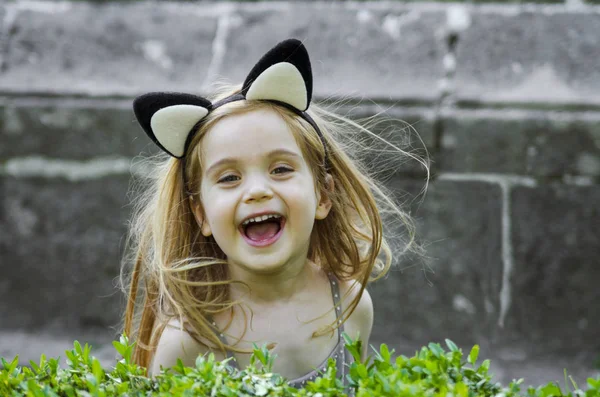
x=258, y=190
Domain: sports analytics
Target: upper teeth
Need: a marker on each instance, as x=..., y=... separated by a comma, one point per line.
x=260, y=218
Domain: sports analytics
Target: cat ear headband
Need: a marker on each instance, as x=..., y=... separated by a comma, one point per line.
x=283, y=75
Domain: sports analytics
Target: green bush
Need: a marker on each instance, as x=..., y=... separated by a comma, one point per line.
x=432, y=372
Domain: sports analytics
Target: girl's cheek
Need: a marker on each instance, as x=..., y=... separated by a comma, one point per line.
x=302, y=190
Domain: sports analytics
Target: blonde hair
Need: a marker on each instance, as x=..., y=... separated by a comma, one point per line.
x=179, y=273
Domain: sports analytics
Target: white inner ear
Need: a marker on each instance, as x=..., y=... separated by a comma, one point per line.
x=281, y=82
x=172, y=125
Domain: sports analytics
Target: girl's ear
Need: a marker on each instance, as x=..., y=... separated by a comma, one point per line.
x=198, y=212
x=324, y=205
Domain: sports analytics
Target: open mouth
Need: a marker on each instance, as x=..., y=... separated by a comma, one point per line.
x=263, y=233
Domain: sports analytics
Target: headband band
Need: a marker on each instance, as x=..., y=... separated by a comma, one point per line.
x=282, y=76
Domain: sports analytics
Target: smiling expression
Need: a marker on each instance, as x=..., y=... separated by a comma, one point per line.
x=253, y=166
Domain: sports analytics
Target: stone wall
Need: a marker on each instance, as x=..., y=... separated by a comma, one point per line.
x=504, y=97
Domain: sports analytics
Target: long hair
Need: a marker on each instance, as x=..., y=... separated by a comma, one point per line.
x=171, y=271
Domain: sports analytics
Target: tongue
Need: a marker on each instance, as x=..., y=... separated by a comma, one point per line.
x=262, y=230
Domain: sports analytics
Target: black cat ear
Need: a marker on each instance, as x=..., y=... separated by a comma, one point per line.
x=282, y=74
x=168, y=118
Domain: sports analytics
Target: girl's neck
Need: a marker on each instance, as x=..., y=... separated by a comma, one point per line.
x=273, y=288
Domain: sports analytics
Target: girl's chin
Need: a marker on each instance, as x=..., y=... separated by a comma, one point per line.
x=262, y=266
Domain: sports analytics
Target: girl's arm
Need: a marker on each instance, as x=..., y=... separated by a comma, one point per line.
x=175, y=343
x=361, y=320
x=364, y=311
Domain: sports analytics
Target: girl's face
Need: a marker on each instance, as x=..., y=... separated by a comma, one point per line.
x=253, y=167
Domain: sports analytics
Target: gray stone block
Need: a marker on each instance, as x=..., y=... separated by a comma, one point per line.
x=454, y=291
x=63, y=244
x=529, y=56
x=555, y=279
x=355, y=51
x=109, y=48
x=3, y=38
x=541, y=144
x=69, y=130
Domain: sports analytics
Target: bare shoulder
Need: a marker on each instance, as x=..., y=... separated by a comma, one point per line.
x=175, y=343
x=360, y=322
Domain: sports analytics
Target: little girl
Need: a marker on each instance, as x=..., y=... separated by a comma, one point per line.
x=259, y=228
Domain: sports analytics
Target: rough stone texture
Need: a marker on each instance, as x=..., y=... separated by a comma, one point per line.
x=515, y=54
x=30, y=345
x=459, y=224
x=455, y=294
x=556, y=276
x=61, y=254
x=526, y=55
x=70, y=130
x=110, y=48
x=391, y=53
x=541, y=144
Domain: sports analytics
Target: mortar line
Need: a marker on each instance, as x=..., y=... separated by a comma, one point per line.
x=34, y=98
x=219, y=48
x=44, y=7
x=216, y=9
x=72, y=170
x=9, y=19
x=445, y=88
x=507, y=255
x=41, y=166
x=496, y=8
x=427, y=6
x=505, y=182
x=489, y=178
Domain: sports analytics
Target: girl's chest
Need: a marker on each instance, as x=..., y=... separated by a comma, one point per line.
x=291, y=332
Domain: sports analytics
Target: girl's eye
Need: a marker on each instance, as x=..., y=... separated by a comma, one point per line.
x=282, y=170
x=233, y=178
x=227, y=178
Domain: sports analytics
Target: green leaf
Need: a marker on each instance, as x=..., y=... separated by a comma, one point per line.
x=362, y=371
x=347, y=338
x=573, y=382
x=474, y=354
x=259, y=353
x=97, y=370
x=461, y=389
x=33, y=365
x=566, y=383
x=10, y=367
x=77, y=346
x=120, y=348
x=86, y=352
x=484, y=367
x=451, y=346
x=385, y=353
x=354, y=347
x=550, y=390
x=436, y=349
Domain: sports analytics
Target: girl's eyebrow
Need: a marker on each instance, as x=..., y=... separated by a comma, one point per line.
x=229, y=160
